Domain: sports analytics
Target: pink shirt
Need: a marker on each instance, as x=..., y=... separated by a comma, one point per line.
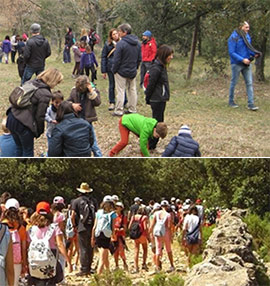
x=58, y=217
x=40, y=233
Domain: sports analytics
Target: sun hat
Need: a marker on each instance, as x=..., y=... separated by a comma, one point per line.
x=84, y=188
x=107, y=198
x=43, y=208
x=147, y=33
x=115, y=198
x=173, y=199
x=35, y=28
x=58, y=200
x=12, y=203
x=119, y=204
x=184, y=130
x=137, y=199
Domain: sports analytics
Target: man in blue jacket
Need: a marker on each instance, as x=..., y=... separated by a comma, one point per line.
x=241, y=56
x=127, y=58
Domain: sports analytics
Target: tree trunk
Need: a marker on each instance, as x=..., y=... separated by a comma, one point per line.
x=193, y=47
x=259, y=74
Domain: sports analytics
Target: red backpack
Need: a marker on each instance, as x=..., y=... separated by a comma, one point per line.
x=146, y=80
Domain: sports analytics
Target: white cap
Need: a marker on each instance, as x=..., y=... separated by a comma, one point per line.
x=12, y=203
x=59, y=200
x=173, y=199
x=156, y=206
x=185, y=207
x=137, y=199
x=164, y=203
x=119, y=204
x=107, y=198
x=115, y=198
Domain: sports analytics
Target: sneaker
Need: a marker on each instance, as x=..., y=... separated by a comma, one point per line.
x=111, y=106
x=116, y=114
x=233, y=105
x=81, y=273
x=253, y=107
x=128, y=112
x=172, y=269
x=144, y=267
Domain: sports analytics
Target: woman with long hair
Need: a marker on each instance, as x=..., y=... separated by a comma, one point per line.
x=25, y=124
x=106, y=63
x=158, y=91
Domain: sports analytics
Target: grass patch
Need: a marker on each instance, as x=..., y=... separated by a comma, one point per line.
x=200, y=103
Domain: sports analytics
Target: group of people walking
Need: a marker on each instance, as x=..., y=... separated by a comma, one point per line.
x=67, y=235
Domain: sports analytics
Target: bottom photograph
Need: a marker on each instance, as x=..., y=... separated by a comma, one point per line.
x=193, y=222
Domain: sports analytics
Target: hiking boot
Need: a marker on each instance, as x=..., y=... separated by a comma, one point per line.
x=111, y=106
x=253, y=107
x=233, y=105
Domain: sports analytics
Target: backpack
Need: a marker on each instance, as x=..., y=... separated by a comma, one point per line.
x=3, y=248
x=87, y=212
x=135, y=229
x=69, y=226
x=193, y=236
x=42, y=261
x=146, y=80
x=159, y=228
x=16, y=245
x=104, y=224
x=21, y=96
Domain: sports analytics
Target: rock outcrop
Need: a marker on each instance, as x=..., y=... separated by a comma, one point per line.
x=228, y=258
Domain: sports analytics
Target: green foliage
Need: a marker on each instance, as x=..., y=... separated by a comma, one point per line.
x=114, y=278
x=260, y=230
x=161, y=279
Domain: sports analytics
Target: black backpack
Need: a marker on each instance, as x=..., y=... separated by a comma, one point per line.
x=135, y=229
x=87, y=211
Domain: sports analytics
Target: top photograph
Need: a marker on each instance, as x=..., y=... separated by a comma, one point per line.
x=118, y=79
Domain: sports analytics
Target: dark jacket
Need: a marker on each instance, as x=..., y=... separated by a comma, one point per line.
x=37, y=49
x=33, y=117
x=71, y=138
x=69, y=39
x=127, y=57
x=88, y=60
x=107, y=62
x=158, y=89
x=182, y=146
x=91, y=101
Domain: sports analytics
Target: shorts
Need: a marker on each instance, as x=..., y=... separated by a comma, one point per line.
x=103, y=241
x=142, y=239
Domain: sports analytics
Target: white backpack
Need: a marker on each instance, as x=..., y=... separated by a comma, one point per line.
x=42, y=262
x=159, y=228
x=104, y=224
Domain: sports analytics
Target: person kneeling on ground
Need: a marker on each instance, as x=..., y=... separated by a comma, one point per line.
x=144, y=127
x=182, y=145
x=72, y=137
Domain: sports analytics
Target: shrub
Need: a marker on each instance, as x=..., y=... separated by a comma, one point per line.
x=161, y=279
x=114, y=278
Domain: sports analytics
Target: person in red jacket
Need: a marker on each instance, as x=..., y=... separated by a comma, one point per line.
x=149, y=50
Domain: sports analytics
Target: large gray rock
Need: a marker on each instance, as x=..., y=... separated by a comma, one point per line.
x=228, y=257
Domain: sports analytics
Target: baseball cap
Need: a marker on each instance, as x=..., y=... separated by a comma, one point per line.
x=156, y=206
x=137, y=199
x=59, y=200
x=43, y=208
x=164, y=203
x=12, y=203
x=107, y=198
x=119, y=204
x=115, y=198
x=147, y=33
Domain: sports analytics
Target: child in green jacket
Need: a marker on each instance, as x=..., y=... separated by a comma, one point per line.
x=143, y=127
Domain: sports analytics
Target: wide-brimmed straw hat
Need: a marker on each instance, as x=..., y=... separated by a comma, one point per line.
x=84, y=188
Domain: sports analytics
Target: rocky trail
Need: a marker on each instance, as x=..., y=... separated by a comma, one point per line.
x=180, y=261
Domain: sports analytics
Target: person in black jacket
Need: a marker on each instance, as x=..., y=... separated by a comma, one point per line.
x=107, y=56
x=127, y=59
x=158, y=91
x=182, y=145
x=37, y=49
x=68, y=44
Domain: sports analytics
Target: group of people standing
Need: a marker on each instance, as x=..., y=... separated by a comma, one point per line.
x=70, y=234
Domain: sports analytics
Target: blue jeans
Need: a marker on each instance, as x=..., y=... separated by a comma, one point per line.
x=25, y=143
x=67, y=58
x=95, y=148
x=29, y=71
x=247, y=74
x=111, y=87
